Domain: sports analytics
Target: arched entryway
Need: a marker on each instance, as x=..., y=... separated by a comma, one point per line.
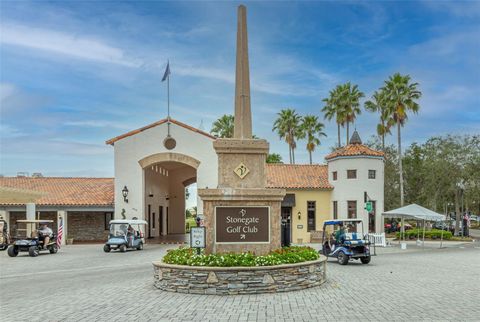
x=166, y=176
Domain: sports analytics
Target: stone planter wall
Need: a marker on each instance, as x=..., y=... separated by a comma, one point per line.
x=239, y=280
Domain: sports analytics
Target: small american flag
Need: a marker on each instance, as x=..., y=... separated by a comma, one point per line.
x=60, y=232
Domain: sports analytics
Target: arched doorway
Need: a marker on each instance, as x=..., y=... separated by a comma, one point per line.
x=166, y=176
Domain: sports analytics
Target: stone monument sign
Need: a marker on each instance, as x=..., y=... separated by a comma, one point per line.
x=241, y=214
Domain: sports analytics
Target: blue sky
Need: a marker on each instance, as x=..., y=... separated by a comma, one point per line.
x=74, y=74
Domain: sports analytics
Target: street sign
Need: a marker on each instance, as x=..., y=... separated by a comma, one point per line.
x=197, y=237
x=368, y=206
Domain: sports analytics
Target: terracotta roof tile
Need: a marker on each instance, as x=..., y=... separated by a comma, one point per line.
x=354, y=150
x=297, y=176
x=75, y=192
x=186, y=126
x=60, y=191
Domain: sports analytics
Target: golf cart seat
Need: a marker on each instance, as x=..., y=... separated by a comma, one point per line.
x=356, y=242
x=353, y=236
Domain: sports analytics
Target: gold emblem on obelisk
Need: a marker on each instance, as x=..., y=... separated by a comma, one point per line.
x=241, y=170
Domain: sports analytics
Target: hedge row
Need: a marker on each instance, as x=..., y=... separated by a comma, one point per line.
x=433, y=234
x=286, y=255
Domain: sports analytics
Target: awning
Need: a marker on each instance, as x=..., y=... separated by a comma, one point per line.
x=289, y=200
x=414, y=211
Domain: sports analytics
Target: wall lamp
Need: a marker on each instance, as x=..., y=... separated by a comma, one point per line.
x=125, y=193
x=299, y=215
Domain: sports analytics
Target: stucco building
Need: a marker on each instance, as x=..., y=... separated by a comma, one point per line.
x=150, y=181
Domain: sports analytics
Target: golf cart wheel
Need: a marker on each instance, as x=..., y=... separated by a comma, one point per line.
x=123, y=248
x=106, y=248
x=365, y=260
x=342, y=258
x=33, y=251
x=4, y=247
x=12, y=251
x=53, y=249
x=140, y=246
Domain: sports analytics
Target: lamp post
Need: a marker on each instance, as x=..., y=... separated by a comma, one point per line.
x=125, y=194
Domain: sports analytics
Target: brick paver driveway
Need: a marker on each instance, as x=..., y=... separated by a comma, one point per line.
x=83, y=283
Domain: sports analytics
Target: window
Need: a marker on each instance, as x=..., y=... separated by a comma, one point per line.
x=371, y=174
x=108, y=217
x=352, y=209
x=310, y=215
x=351, y=174
x=334, y=174
x=335, y=210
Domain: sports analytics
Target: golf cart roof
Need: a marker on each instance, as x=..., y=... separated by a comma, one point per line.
x=341, y=221
x=40, y=221
x=128, y=221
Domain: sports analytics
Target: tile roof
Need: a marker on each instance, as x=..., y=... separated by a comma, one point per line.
x=186, y=126
x=353, y=150
x=297, y=176
x=61, y=191
x=78, y=192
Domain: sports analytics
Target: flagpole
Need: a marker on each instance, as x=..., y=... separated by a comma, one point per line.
x=168, y=99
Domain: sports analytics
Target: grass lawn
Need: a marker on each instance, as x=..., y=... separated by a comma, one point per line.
x=189, y=222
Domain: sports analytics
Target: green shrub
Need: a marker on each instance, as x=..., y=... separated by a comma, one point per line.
x=286, y=255
x=434, y=233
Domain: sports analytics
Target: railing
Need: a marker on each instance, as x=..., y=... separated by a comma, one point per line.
x=378, y=239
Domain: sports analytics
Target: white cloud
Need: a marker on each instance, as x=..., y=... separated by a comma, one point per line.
x=64, y=44
x=7, y=131
x=467, y=9
x=6, y=91
x=99, y=124
x=455, y=46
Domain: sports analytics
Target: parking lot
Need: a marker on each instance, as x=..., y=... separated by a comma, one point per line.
x=84, y=283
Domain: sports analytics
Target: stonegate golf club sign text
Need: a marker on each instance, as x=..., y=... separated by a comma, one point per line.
x=242, y=224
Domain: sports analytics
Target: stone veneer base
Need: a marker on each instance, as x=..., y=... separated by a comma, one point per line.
x=239, y=280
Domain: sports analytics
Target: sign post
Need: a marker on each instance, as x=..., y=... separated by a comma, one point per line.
x=197, y=236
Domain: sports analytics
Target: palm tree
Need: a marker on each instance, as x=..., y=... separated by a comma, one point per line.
x=334, y=109
x=274, y=158
x=312, y=129
x=350, y=99
x=401, y=96
x=223, y=127
x=287, y=127
x=378, y=104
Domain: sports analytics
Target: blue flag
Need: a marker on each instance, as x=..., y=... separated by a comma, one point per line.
x=167, y=72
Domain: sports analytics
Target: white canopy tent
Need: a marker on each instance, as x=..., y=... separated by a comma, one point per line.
x=415, y=212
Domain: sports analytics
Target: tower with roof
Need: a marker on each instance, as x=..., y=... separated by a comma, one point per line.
x=357, y=174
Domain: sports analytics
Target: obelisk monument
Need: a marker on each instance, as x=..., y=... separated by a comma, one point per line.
x=241, y=214
x=243, y=114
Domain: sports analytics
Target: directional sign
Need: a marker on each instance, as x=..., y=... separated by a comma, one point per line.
x=197, y=237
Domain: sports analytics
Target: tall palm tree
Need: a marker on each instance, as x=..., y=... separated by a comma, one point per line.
x=401, y=96
x=378, y=104
x=287, y=127
x=334, y=109
x=350, y=99
x=223, y=127
x=312, y=129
